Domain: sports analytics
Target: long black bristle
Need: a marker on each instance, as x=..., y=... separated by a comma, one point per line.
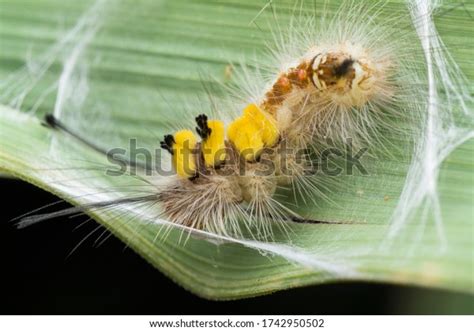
x=51, y=121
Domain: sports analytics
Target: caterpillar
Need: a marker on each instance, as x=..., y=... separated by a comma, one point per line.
x=334, y=79
x=341, y=80
x=247, y=163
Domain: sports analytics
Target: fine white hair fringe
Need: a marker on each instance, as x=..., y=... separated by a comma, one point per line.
x=440, y=134
x=18, y=85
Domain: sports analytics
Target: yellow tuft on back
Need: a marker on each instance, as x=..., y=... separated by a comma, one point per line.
x=213, y=147
x=265, y=122
x=246, y=137
x=183, y=157
x=253, y=131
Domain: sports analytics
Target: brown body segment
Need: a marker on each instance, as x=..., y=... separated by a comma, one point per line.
x=298, y=77
x=330, y=69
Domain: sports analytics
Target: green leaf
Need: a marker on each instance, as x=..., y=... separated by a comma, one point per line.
x=128, y=81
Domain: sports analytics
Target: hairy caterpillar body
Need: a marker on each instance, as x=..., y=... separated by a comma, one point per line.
x=225, y=173
x=337, y=79
x=319, y=94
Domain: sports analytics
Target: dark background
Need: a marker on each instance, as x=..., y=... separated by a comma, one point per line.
x=38, y=277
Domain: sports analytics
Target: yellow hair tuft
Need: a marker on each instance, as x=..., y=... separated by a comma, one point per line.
x=183, y=153
x=253, y=131
x=246, y=137
x=265, y=122
x=213, y=147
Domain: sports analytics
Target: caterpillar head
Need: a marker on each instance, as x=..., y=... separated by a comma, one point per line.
x=348, y=79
